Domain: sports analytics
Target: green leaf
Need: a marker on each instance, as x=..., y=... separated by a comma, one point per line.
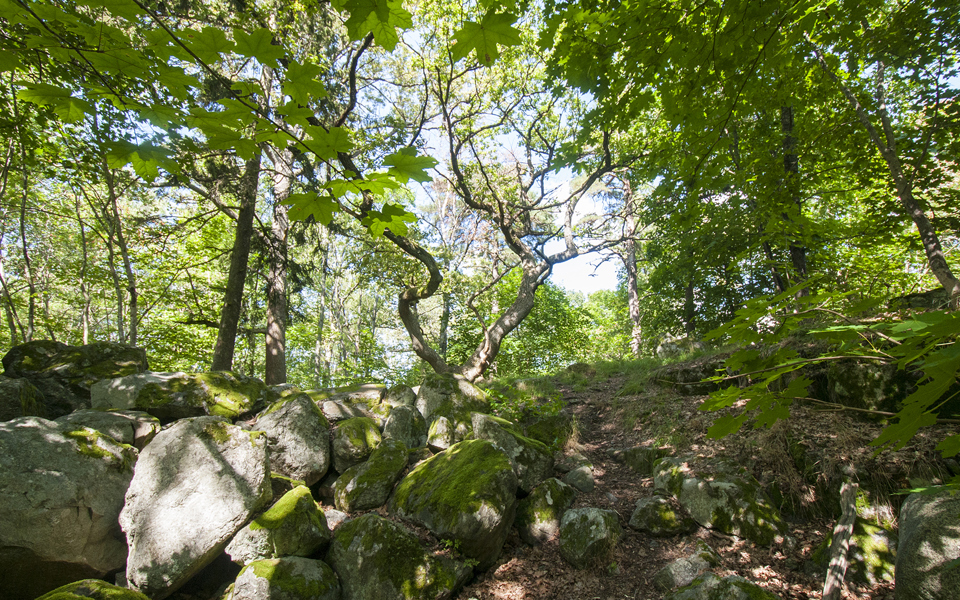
x=327, y=144
x=725, y=425
x=376, y=183
x=380, y=17
x=64, y=104
x=406, y=165
x=127, y=9
x=207, y=44
x=307, y=206
x=9, y=61
x=393, y=217
x=949, y=446
x=301, y=83
x=258, y=44
x=494, y=30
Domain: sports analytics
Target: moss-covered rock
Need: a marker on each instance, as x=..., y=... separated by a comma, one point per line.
x=531, y=460
x=133, y=427
x=929, y=547
x=449, y=392
x=407, y=425
x=288, y=578
x=553, y=430
x=465, y=494
x=293, y=526
x=540, y=513
x=641, y=458
x=298, y=438
x=684, y=570
x=368, y=484
x=400, y=395
x=449, y=426
x=377, y=559
x=354, y=440
x=728, y=500
x=871, y=554
x=868, y=384
x=588, y=536
x=658, y=517
x=170, y=396
x=92, y=589
x=710, y=587
x=20, y=398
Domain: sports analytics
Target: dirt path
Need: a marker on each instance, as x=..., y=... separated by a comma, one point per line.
x=539, y=573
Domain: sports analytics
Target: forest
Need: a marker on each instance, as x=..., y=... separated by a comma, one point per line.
x=322, y=193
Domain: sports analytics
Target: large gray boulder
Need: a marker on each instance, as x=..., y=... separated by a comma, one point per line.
x=400, y=395
x=531, y=460
x=929, y=547
x=294, y=526
x=588, y=536
x=288, y=578
x=298, y=438
x=196, y=484
x=540, y=513
x=727, y=499
x=132, y=427
x=368, y=484
x=61, y=492
x=448, y=427
x=465, y=494
x=20, y=398
x=354, y=441
x=450, y=392
x=64, y=374
x=406, y=424
x=170, y=396
x=377, y=559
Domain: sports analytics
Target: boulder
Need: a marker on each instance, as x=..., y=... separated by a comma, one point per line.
x=465, y=494
x=531, y=460
x=929, y=547
x=871, y=554
x=450, y=392
x=64, y=374
x=406, y=424
x=448, y=427
x=294, y=526
x=581, y=478
x=94, y=589
x=288, y=578
x=728, y=500
x=368, y=394
x=170, y=396
x=336, y=411
x=539, y=514
x=131, y=427
x=868, y=384
x=353, y=442
x=377, y=559
x=298, y=438
x=553, y=430
x=675, y=347
x=368, y=484
x=710, y=587
x=657, y=516
x=684, y=570
x=641, y=458
x=588, y=536
x=20, y=398
x=400, y=395
x=61, y=492
x=196, y=484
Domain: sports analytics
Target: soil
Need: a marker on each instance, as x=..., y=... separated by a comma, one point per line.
x=838, y=442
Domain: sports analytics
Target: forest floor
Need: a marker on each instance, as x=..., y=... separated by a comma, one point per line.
x=607, y=420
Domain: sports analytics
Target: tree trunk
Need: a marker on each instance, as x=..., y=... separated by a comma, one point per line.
x=84, y=289
x=233, y=297
x=443, y=342
x=132, y=294
x=633, y=280
x=689, y=309
x=275, y=363
x=115, y=275
x=791, y=168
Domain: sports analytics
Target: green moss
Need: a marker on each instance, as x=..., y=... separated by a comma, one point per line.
x=92, y=589
x=281, y=575
x=218, y=431
x=296, y=500
x=90, y=442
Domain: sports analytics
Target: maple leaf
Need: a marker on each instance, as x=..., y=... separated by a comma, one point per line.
x=207, y=44
x=326, y=144
x=406, y=165
x=64, y=104
x=258, y=44
x=393, y=217
x=380, y=17
x=305, y=206
x=301, y=84
x=485, y=37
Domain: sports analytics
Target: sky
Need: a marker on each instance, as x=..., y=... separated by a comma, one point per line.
x=583, y=274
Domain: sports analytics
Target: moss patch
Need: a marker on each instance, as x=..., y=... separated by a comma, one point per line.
x=296, y=500
x=283, y=575
x=91, y=442
x=92, y=589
